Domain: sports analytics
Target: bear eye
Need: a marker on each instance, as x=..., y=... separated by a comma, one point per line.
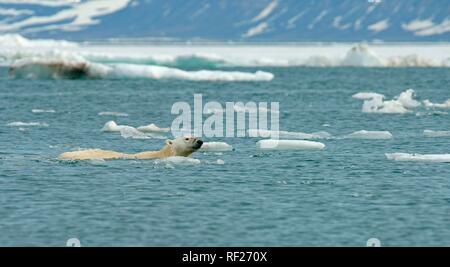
x=187, y=139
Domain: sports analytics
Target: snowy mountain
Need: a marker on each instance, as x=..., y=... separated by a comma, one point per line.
x=225, y=20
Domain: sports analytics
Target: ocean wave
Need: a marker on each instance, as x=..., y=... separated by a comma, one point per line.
x=439, y=158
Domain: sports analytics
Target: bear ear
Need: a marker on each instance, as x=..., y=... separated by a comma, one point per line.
x=169, y=142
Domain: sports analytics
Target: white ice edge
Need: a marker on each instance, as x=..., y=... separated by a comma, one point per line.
x=431, y=133
x=215, y=147
x=370, y=135
x=438, y=158
x=272, y=144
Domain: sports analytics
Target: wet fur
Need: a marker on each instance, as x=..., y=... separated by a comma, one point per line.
x=169, y=150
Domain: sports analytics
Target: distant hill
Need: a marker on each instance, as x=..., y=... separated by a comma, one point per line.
x=229, y=20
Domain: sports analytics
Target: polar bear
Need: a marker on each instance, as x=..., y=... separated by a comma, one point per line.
x=181, y=146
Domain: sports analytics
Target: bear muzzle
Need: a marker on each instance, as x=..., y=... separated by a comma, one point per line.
x=198, y=144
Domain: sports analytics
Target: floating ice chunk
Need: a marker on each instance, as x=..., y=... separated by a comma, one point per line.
x=287, y=135
x=216, y=147
x=131, y=132
x=429, y=104
x=183, y=161
x=431, y=133
x=406, y=99
x=113, y=113
x=400, y=105
x=43, y=111
x=24, y=124
x=371, y=135
x=392, y=107
x=111, y=126
x=272, y=144
x=418, y=157
x=367, y=95
x=152, y=128
x=377, y=105
x=160, y=72
x=220, y=162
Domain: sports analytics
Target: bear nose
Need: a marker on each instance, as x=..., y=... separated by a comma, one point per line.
x=200, y=142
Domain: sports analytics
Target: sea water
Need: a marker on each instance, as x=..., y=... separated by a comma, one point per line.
x=342, y=195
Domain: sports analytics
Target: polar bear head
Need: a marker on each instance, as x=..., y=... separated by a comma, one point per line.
x=184, y=146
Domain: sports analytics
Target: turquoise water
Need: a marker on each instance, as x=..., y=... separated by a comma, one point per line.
x=340, y=196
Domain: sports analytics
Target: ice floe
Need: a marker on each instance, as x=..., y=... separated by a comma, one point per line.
x=429, y=104
x=375, y=103
x=272, y=144
x=131, y=132
x=216, y=147
x=287, y=134
x=113, y=113
x=177, y=161
x=152, y=128
x=371, y=135
x=43, y=111
x=419, y=157
x=25, y=124
x=431, y=133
